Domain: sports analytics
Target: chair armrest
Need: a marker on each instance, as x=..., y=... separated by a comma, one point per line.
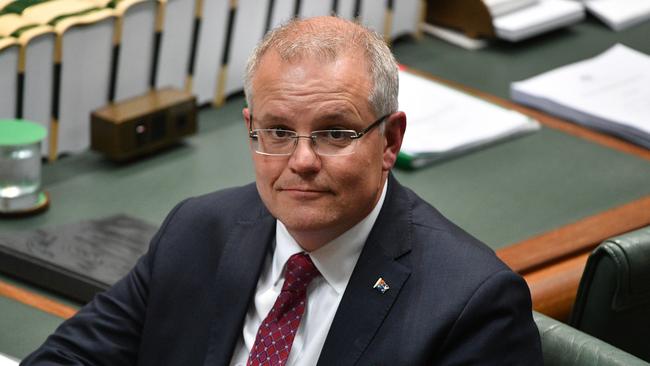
x=564, y=345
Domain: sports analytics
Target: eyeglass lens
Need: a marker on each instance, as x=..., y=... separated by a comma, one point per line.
x=283, y=142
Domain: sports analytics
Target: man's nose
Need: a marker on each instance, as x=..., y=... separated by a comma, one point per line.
x=304, y=159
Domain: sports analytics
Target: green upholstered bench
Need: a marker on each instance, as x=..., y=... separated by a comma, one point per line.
x=563, y=345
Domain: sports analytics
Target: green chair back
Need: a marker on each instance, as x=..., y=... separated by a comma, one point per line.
x=613, y=300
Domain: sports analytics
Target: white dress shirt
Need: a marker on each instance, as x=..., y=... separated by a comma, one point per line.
x=335, y=261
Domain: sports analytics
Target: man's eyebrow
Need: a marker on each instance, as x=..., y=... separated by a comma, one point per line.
x=343, y=116
x=270, y=118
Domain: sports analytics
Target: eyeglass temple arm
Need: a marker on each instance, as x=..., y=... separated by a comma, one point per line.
x=251, y=134
x=372, y=125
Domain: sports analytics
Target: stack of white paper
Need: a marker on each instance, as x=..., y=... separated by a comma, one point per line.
x=7, y=361
x=442, y=121
x=610, y=92
x=537, y=18
x=619, y=14
x=501, y=7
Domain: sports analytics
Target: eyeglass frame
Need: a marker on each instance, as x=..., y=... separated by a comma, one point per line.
x=358, y=134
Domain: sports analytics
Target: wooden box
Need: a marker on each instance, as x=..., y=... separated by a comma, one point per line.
x=143, y=124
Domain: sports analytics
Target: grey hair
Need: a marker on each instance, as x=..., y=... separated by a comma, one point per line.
x=329, y=38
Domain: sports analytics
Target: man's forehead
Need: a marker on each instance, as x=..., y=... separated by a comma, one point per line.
x=347, y=71
x=275, y=58
x=335, y=83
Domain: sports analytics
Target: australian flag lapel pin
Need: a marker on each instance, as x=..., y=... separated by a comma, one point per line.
x=381, y=285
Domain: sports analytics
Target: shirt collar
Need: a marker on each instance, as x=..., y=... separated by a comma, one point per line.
x=336, y=259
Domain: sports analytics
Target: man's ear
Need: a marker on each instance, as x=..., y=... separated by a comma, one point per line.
x=246, y=113
x=394, y=129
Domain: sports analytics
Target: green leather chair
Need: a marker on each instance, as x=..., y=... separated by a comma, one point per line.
x=563, y=345
x=613, y=300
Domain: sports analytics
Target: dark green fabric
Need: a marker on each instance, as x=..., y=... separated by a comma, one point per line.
x=563, y=345
x=18, y=6
x=54, y=21
x=21, y=30
x=613, y=301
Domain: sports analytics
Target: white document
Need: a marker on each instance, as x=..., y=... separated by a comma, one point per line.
x=7, y=361
x=443, y=121
x=610, y=92
x=619, y=14
x=501, y=7
x=538, y=18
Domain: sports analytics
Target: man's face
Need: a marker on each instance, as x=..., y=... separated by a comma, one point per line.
x=318, y=197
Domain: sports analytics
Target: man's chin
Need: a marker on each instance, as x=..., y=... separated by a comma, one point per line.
x=302, y=225
x=307, y=220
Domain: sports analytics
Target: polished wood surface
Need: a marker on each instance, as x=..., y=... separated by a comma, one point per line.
x=37, y=301
x=552, y=263
x=546, y=249
x=553, y=289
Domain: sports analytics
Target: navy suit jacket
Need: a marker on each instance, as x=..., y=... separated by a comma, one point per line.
x=451, y=300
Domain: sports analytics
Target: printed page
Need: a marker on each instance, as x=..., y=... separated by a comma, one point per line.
x=7, y=361
x=538, y=18
x=501, y=7
x=620, y=14
x=441, y=119
x=614, y=86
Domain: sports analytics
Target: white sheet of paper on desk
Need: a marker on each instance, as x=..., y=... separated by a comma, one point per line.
x=442, y=120
x=619, y=14
x=7, y=361
x=501, y=7
x=610, y=92
x=538, y=18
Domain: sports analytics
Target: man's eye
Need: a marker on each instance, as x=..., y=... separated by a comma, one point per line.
x=336, y=135
x=280, y=133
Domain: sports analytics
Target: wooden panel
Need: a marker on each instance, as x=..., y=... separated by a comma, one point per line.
x=40, y=302
x=553, y=288
x=583, y=235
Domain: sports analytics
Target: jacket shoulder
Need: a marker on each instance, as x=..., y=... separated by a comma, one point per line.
x=433, y=232
x=232, y=204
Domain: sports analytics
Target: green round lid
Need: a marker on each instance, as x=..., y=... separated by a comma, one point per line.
x=20, y=132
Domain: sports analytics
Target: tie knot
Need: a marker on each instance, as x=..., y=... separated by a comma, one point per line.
x=299, y=273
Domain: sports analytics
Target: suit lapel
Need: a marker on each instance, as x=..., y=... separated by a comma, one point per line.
x=363, y=308
x=237, y=274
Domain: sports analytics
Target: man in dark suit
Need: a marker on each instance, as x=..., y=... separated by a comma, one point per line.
x=327, y=259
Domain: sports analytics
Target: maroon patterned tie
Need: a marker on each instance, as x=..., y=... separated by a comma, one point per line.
x=276, y=333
